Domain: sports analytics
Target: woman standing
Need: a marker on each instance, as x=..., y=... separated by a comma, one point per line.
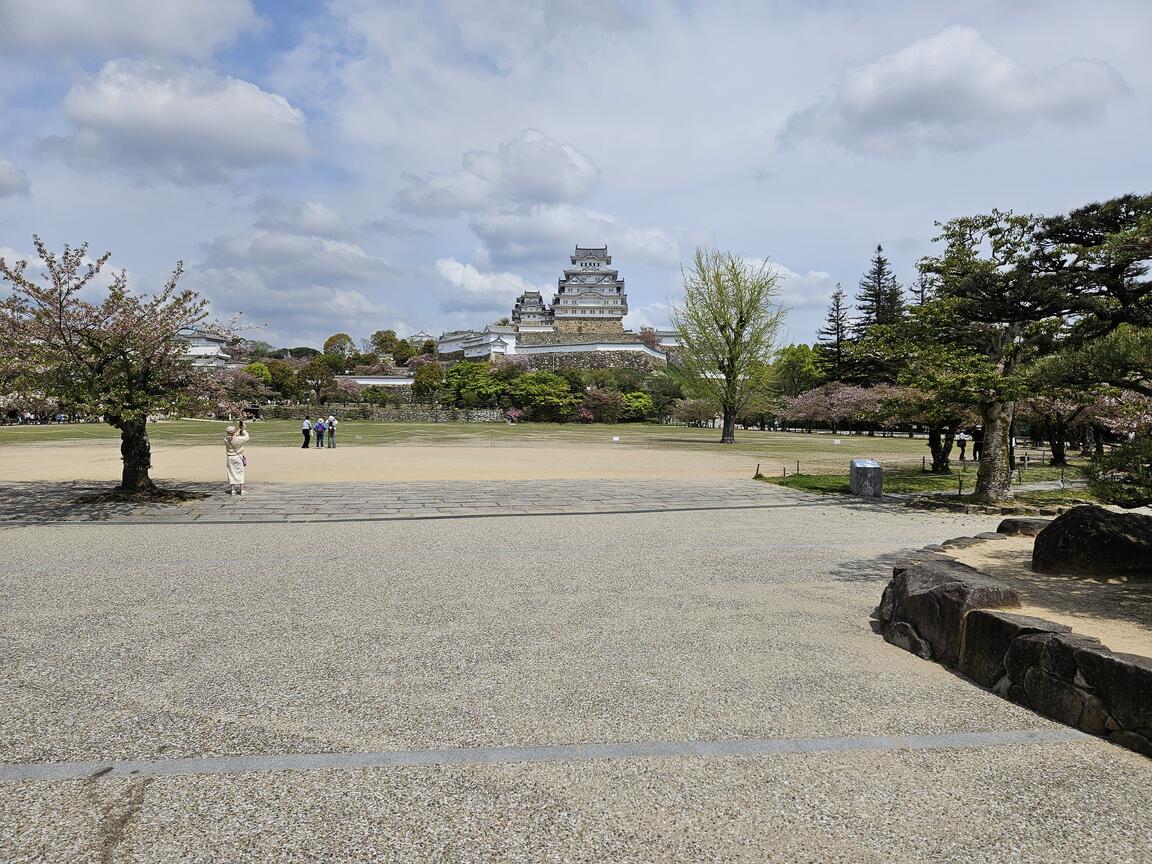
x=234, y=441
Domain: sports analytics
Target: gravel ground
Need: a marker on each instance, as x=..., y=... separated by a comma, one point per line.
x=158, y=641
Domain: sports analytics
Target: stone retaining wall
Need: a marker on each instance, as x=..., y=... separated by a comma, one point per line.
x=943, y=610
x=402, y=414
x=588, y=337
x=637, y=360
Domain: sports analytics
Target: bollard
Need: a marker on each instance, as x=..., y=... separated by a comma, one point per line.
x=960, y=491
x=785, y=470
x=797, y=466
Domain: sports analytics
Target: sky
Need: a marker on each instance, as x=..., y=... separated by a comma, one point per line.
x=357, y=165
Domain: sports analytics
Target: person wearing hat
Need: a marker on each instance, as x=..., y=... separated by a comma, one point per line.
x=236, y=461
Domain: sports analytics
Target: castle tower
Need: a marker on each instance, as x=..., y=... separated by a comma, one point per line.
x=590, y=295
x=530, y=312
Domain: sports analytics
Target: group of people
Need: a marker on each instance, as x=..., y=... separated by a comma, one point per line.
x=976, y=436
x=320, y=428
x=235, y=437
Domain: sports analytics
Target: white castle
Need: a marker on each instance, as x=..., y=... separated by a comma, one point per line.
x=586, y=316
x=589, y=298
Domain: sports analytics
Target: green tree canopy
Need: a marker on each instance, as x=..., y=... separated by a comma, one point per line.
x=427, y=380
x=544, y=395
x=260, y=372
x=340, y=344
x=283, y=378
x=473, y=385
x=727, y=327
x=795, y=369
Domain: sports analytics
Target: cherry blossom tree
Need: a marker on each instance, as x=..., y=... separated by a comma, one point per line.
x=121, y=357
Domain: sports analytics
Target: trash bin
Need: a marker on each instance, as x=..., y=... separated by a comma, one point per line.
x=866, y=478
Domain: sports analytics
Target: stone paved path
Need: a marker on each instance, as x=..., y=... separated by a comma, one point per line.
x=70, y=502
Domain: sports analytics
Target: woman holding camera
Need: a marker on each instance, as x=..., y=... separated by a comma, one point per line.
x=234, y=441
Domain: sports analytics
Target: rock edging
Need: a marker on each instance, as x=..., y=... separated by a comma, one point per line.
x=943, y=610
x=923, y=502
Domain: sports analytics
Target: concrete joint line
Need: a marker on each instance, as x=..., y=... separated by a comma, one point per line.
x=12, y=773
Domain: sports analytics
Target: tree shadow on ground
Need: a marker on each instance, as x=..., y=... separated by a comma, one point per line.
x=1118, y=598
x=89, y=501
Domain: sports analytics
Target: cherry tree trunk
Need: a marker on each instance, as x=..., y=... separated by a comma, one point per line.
x=940, y=446
x=994, y=477
x=1087, y=440
x=136, y=452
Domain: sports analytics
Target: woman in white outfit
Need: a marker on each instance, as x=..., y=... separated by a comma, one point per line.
x=234, y=441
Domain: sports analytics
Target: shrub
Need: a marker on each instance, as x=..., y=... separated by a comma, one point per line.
x=544, y=395
x=603, y=406
x=1124, y=476
x=638, y=406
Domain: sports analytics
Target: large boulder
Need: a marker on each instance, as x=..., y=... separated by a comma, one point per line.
x=988, y=634
x=923, y=607
x=1124, y=683
x=1053, y=652
x=1094, y=540
x=1020, y=526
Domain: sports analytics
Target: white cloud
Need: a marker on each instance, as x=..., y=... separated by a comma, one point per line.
x=656, y=315
x=798, y=291
x=79, y=27
x=299, y=217
x=13, y=181
x=531, y=168
x=465, y=288
x=543, y=233
x=393, y=226
x=952, y=91
x=190, y=126
x=300, y=287
x=297, y=260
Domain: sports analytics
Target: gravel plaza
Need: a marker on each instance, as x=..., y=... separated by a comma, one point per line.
x=641, y=671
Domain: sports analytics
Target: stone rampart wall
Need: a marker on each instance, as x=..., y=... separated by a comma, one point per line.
x=588, y=325
x=637, y=360
x=374, y=413
x=587, y=337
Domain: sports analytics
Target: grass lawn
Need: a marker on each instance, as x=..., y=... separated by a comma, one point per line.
x=902, y=481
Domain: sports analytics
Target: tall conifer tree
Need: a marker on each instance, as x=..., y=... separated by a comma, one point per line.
x=834, y=337
x=880, y=299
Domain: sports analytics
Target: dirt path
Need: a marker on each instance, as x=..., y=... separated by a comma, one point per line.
x=1117, y=612
x=101, y=461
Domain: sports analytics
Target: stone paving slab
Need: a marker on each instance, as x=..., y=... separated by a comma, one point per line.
x=22, y=503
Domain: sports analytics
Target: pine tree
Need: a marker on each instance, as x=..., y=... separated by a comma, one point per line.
x=834, y=336
x=923, y=289
x=880, y=299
